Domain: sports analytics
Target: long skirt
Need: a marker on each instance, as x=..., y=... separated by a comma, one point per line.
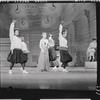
x=65, y=57
x=43, y=62
x=52, y=54
x=17, y=56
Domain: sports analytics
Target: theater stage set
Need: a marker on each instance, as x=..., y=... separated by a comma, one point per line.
x=34, y=18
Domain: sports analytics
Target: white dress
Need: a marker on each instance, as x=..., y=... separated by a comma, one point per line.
x=43, y=62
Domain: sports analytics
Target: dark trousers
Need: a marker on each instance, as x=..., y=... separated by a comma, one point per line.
x=65, y=57
x=17, y=57
x=12, y=65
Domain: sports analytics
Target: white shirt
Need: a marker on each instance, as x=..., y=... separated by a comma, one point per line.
x=91, y=48
x=15, y=41
x=51, y=42
x=93, y=45
x=62, y=41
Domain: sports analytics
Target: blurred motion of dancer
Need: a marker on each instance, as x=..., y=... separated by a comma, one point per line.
x=25, y=50
x=16, y=54
x=43, y=62
x=65, y=57
x=52, y=52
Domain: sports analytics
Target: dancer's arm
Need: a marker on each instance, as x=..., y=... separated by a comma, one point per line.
x=49, y=40
x=24, y=48
x=27, y=49
x=47, y=43
x=53, y=43
x=40, y=45
x=60, y=31
x=11, y=33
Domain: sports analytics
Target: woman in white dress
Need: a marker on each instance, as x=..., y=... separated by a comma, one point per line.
x=43, y=62
x=16, y=54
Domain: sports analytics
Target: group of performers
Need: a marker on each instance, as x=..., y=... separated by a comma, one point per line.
x=19, y=51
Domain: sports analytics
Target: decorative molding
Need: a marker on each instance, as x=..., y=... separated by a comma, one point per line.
x=87, y=13
x=17, y=11
x=68, y=26
x=47, y=20
x=53, y=7
x=74, y=23
x=22, y=22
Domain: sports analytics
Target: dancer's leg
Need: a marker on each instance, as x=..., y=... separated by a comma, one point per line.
x=23, y=66
x=11, y=66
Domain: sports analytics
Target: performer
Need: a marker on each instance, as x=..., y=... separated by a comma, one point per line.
x=43, y=62
x=92, y=50
x=57, y=63
x=65, y=57
x=16, y=54
x=25, y=50
x=52, y=52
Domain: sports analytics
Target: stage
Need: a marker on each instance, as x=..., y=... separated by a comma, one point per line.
x=78, y=78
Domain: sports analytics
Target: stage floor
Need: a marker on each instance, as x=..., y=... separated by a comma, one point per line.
x=78, y=78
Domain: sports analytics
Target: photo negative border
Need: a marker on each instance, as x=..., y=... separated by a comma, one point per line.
x=36, y=94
